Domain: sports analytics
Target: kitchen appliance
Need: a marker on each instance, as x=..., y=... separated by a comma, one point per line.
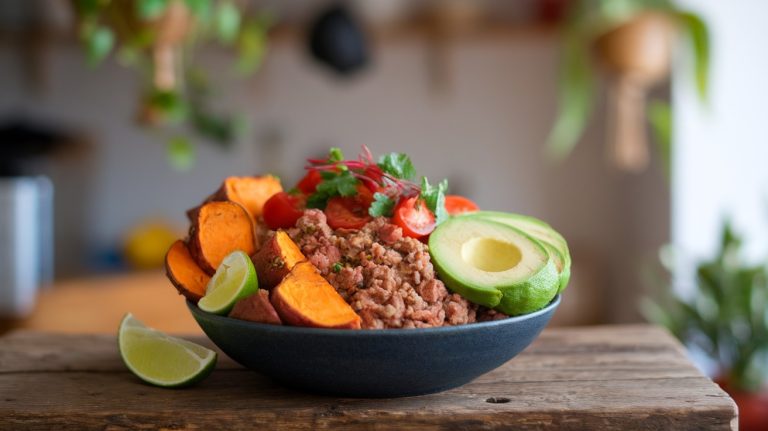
x=26, y=242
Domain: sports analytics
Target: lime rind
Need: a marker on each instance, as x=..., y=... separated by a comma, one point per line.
x=160, y=359
x=234, y=280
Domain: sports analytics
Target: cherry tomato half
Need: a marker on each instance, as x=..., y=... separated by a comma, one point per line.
x=283, y=209
x=413, y=216
x=456, y=205
x=349, y=212
x=309, y=183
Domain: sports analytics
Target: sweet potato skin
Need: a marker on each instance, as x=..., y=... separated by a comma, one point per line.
x=184, y=273
x=304, y=296
x=256, y=308
x=219, y=228
x=275, y=259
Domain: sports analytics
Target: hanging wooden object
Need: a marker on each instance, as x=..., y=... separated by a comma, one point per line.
x=169, y=31
x=447, y=20
x=637, y=56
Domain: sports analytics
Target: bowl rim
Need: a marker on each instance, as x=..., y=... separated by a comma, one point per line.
x=397, y=332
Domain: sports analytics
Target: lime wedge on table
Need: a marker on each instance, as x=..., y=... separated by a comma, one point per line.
x=160, y=359
x=234, y=279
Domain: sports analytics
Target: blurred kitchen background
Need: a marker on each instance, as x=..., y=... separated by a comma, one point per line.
x=106, y=138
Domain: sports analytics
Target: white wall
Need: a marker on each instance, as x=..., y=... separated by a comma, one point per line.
x=721, y=150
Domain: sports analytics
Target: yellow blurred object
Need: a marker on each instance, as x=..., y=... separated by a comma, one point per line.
x=145, y=244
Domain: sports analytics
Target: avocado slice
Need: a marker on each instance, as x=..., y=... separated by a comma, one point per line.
x=541, y=231
x=493, y=264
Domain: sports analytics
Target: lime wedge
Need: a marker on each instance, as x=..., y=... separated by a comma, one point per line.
x=160, y=359
x=234, y=279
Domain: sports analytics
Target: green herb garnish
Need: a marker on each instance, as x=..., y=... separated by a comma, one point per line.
x=398, y=165
x=382, y=206
x=434, y=197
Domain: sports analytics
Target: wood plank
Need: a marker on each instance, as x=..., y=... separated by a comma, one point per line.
x=630, y=377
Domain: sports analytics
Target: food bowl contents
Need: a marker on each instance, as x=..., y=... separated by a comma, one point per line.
x=235, y=279
x=305, y=298
x=363, y=244
x=386, y=276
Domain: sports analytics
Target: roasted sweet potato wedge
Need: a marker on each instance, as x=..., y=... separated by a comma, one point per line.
x=184, y=272
x=256, y=308
x=218, y=229
x=250, y=192
x=275, y=259
x=305, y=298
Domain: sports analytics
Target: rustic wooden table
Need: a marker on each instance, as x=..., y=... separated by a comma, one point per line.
x=611, y=377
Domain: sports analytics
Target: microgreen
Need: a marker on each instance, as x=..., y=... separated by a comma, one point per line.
x=335, y=155
x=392, y=176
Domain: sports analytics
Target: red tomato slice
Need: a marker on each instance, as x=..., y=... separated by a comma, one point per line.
x=413, y=216
x=456, y=205
x=309, y=183
x=349, y=212
x=283, y=209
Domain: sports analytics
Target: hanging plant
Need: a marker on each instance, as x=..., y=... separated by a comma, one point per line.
x=159, y=39
x=633, y=42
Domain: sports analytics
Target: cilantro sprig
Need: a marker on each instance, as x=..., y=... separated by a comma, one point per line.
x=398, y=165
x=382, y=206
x=434, y=197
x=393, y=175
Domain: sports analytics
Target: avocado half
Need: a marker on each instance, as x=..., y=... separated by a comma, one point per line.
x=542, y=232
x=494, y=264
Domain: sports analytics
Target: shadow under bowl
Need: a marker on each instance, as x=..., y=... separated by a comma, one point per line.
x=374, y=363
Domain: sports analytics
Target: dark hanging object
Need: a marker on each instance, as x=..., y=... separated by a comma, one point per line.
x=22, y=140
x=337, y=40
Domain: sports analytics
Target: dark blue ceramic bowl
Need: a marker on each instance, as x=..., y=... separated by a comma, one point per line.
x=374, y=363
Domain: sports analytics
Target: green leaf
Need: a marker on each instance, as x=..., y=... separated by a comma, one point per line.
x=88, y=7
x=698, y=34
x=334, y=184
x=575, y=98
x=660, y=117
x=382, y=205
x=199, y=8
x=181, y=153
x=251, y=46
x=398, y=165
x=434, y=197
x=99, y=42
x=335, y=155
x=227, y=22
x=170, y=104
x=151, y=9
x=342, y=184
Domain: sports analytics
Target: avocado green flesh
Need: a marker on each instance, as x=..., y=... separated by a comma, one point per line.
x=493, y=264
x=541, y=231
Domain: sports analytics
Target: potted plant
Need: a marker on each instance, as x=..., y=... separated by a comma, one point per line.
x=726, y=316
x=633, y=42
x=159, y=38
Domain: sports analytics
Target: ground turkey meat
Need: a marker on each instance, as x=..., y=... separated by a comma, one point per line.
x=386, y=277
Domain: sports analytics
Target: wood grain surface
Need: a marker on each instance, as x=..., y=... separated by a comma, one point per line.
x=613, y=377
